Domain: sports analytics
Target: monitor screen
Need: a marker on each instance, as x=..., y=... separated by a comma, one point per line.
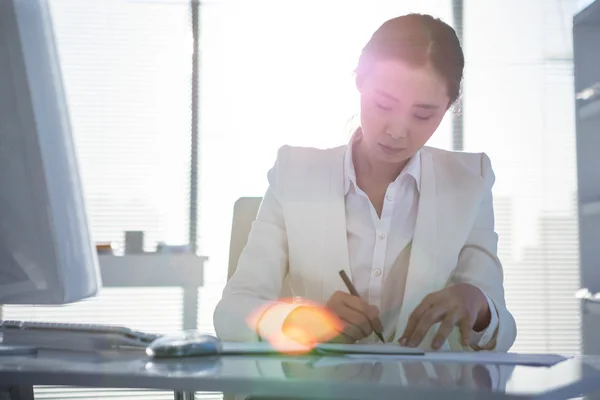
x=46, y=252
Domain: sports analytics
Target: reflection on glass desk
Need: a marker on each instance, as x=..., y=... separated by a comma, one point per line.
x=305, y=377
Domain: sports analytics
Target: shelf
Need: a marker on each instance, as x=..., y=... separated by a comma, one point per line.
x=152, y=270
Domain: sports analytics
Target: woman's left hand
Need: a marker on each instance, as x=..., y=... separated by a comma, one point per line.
x=462, y=305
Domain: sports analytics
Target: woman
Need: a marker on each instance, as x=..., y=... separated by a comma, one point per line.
x=412, y=226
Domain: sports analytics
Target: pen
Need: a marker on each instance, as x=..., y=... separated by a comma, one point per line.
x=353, y=292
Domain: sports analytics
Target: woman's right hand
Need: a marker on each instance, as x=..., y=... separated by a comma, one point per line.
x=357, y=316
x=344, y=319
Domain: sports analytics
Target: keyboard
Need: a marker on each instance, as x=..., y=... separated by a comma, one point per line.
x=69, y=336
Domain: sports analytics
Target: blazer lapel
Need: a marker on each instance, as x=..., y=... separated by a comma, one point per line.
x=336, y=246
x=423, y=259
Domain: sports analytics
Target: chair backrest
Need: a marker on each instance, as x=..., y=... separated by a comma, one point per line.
x=244, y=214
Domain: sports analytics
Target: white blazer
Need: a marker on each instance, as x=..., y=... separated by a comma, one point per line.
x=300, y=231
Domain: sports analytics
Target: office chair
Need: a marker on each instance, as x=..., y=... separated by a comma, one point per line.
x=245, y=210
x=244, y=214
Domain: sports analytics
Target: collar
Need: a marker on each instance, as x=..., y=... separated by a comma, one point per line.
x=412, y=168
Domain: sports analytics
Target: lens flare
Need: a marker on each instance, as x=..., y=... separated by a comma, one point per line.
x=307, y=325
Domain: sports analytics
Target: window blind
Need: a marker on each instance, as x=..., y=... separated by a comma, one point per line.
x=127, y=70
x=520, y=110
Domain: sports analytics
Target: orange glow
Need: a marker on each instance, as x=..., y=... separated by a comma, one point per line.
x=304, y=328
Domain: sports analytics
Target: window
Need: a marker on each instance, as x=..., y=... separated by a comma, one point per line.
x=519, y=108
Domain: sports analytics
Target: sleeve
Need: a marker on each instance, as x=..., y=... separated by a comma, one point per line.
x=478, y=264
x=256, y=284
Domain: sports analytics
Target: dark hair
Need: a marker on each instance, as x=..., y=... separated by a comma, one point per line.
x=417, y=39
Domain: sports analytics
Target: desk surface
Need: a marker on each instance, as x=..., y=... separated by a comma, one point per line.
x=305, y=376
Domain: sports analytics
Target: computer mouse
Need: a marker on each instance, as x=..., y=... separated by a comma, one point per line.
x=184, y=344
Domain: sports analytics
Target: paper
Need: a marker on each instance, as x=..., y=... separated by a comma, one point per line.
x=481, y=357
x=323, y=349
x=391, y=352
x=375, y=349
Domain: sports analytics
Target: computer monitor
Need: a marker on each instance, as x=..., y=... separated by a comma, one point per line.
x=46, y=252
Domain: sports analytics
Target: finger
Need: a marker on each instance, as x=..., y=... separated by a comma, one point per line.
x=352, y=317
x=343, y=338
x=336, y=299
x=373, y=316
x=371, y=313
x=356, y=303
x=354, y=332
x=444, y=330
x=466, y=329
x=414, y=318
x=433, y=315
